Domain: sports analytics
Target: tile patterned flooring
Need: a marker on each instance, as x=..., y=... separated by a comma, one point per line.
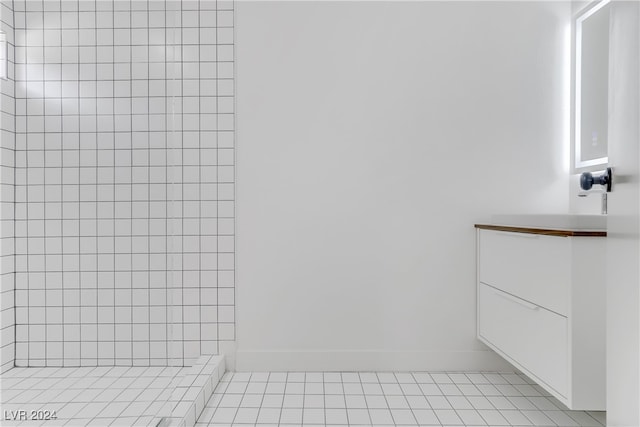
x=385, y=399
x=124, y=396
x=92, y=396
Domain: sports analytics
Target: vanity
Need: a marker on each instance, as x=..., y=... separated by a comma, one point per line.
x=541, y=301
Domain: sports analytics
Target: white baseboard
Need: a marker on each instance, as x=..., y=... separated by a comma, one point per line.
x=480, y=360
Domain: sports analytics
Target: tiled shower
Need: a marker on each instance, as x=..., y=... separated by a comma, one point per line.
x=117, y=184
x=123, y=181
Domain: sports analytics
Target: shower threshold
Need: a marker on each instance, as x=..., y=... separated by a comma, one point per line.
x=115, y=396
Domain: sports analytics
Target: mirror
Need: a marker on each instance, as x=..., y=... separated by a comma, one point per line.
x=591, y=82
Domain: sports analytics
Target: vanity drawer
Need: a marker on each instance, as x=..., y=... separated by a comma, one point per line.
x=534, y=267
x=532, y=337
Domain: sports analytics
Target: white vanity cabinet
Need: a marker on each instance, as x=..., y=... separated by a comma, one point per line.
x=541, y=306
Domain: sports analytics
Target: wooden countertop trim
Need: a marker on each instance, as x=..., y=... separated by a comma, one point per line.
x=543, y=231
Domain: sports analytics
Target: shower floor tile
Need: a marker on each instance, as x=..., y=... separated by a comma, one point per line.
x=264, y=399
x=117, y=396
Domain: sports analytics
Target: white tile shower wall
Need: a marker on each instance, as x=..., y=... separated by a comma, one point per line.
x=7, y=161
x=125, y=181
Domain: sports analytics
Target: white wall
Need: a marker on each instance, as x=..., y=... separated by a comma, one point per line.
x=371, y=137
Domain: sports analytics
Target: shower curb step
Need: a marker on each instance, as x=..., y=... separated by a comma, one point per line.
x=190, y=396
